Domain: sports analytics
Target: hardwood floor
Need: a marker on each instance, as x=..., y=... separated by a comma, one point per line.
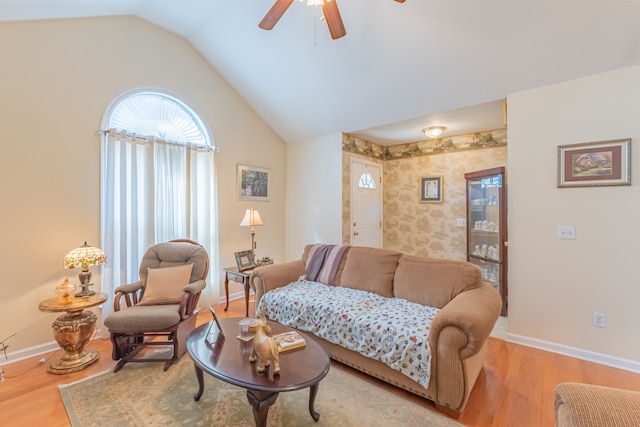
x=514, y=389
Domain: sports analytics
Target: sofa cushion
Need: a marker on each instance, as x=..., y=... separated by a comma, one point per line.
x=324, y=262
x=370, y=269
x=165, y=285
x=338, y=272
x=433, y=282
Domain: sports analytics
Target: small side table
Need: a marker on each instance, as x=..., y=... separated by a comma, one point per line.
x=232, y=273
x=73, y=330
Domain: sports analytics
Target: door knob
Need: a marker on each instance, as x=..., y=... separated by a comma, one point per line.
x=355, y=233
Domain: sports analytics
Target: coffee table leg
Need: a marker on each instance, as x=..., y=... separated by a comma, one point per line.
x=200, y=376
x=226, y=289
x=260, y=401
x=313, y=392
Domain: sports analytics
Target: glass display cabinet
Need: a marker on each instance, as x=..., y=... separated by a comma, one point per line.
x=487, y=227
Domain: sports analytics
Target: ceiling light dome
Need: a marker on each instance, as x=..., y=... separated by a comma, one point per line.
x=433, y=131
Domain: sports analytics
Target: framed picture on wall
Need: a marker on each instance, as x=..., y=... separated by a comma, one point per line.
x=594, y=164
x=431, y=189
x=253, y=183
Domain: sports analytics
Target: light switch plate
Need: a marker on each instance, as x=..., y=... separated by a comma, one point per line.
x=567, y=232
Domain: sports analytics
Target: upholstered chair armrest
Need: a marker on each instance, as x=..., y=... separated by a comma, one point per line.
x=130, y=292
x=587, y=405
x=195, y=287
x=272, y=276
x=190, y=297
x=473, y=312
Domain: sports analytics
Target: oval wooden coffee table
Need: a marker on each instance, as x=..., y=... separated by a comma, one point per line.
x=228, y=360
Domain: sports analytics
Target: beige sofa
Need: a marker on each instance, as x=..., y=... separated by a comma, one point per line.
x=458, y=335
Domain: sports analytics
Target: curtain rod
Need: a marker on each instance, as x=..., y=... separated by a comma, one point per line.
x=156, y=140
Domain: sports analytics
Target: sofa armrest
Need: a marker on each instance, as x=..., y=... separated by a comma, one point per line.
x=272, y=276
x=457, y=339
x=474, y=312
x=587, y=405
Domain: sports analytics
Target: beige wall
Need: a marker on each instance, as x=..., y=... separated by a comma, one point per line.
x=555, y=285
x=58, y=78
x=314, y=207
x=412, y=227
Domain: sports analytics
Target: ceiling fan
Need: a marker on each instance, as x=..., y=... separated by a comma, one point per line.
x=329, y=9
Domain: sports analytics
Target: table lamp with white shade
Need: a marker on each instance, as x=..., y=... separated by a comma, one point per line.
x=252, y=219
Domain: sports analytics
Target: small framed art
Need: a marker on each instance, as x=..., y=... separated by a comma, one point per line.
x=244, y=260
x=594, y=164
x=253, y=183
x=431, y=189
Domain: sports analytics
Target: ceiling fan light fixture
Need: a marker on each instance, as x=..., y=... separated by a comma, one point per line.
x=433, y=131
x=315, y=2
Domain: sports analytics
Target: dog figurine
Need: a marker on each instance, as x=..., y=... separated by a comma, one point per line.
x=265, y=349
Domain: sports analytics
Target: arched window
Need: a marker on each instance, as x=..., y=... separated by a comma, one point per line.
x=161, y=116
x=366, y=181
x=157, y=183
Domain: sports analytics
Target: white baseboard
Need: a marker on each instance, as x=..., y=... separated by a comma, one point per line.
x=578, y=353
x=234, y=296
x=48, y=347
x=16, y=356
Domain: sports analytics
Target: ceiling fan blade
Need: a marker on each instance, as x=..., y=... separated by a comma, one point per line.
x=334, y=20
x=275, y=13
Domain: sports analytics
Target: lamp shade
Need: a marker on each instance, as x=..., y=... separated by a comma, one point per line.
x=84, y=257
x=251, y=218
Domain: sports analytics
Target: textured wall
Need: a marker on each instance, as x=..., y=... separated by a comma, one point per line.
x=425, y=229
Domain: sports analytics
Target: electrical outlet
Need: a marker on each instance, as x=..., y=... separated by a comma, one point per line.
x=461, y=222
x=599, y=320
x=567, y=232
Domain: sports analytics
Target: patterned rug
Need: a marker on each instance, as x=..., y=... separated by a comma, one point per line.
x=142, y=394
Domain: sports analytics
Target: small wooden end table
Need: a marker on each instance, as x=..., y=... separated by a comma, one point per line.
x=73, y=330
x=232, y=273
x=228, y=360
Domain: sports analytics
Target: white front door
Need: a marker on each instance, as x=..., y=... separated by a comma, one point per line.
x=366, y=203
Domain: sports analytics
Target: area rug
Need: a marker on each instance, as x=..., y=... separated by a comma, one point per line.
x=142, y=394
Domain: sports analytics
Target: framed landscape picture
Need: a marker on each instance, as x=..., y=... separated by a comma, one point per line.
x=593, y=164
x=253, y=183
x=431, y=189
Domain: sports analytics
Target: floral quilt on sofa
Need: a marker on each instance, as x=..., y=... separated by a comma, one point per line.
x=392, y=330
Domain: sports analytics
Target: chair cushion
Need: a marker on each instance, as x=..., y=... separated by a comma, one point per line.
x=144, y=318
x=165, y=285
x=170, y=254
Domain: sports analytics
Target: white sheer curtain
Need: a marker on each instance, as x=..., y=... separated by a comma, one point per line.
x=152, y=192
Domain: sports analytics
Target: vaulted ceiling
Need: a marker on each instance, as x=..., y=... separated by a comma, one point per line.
x=401, y=66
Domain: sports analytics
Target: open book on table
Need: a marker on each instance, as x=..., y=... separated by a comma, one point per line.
x=289, y=340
